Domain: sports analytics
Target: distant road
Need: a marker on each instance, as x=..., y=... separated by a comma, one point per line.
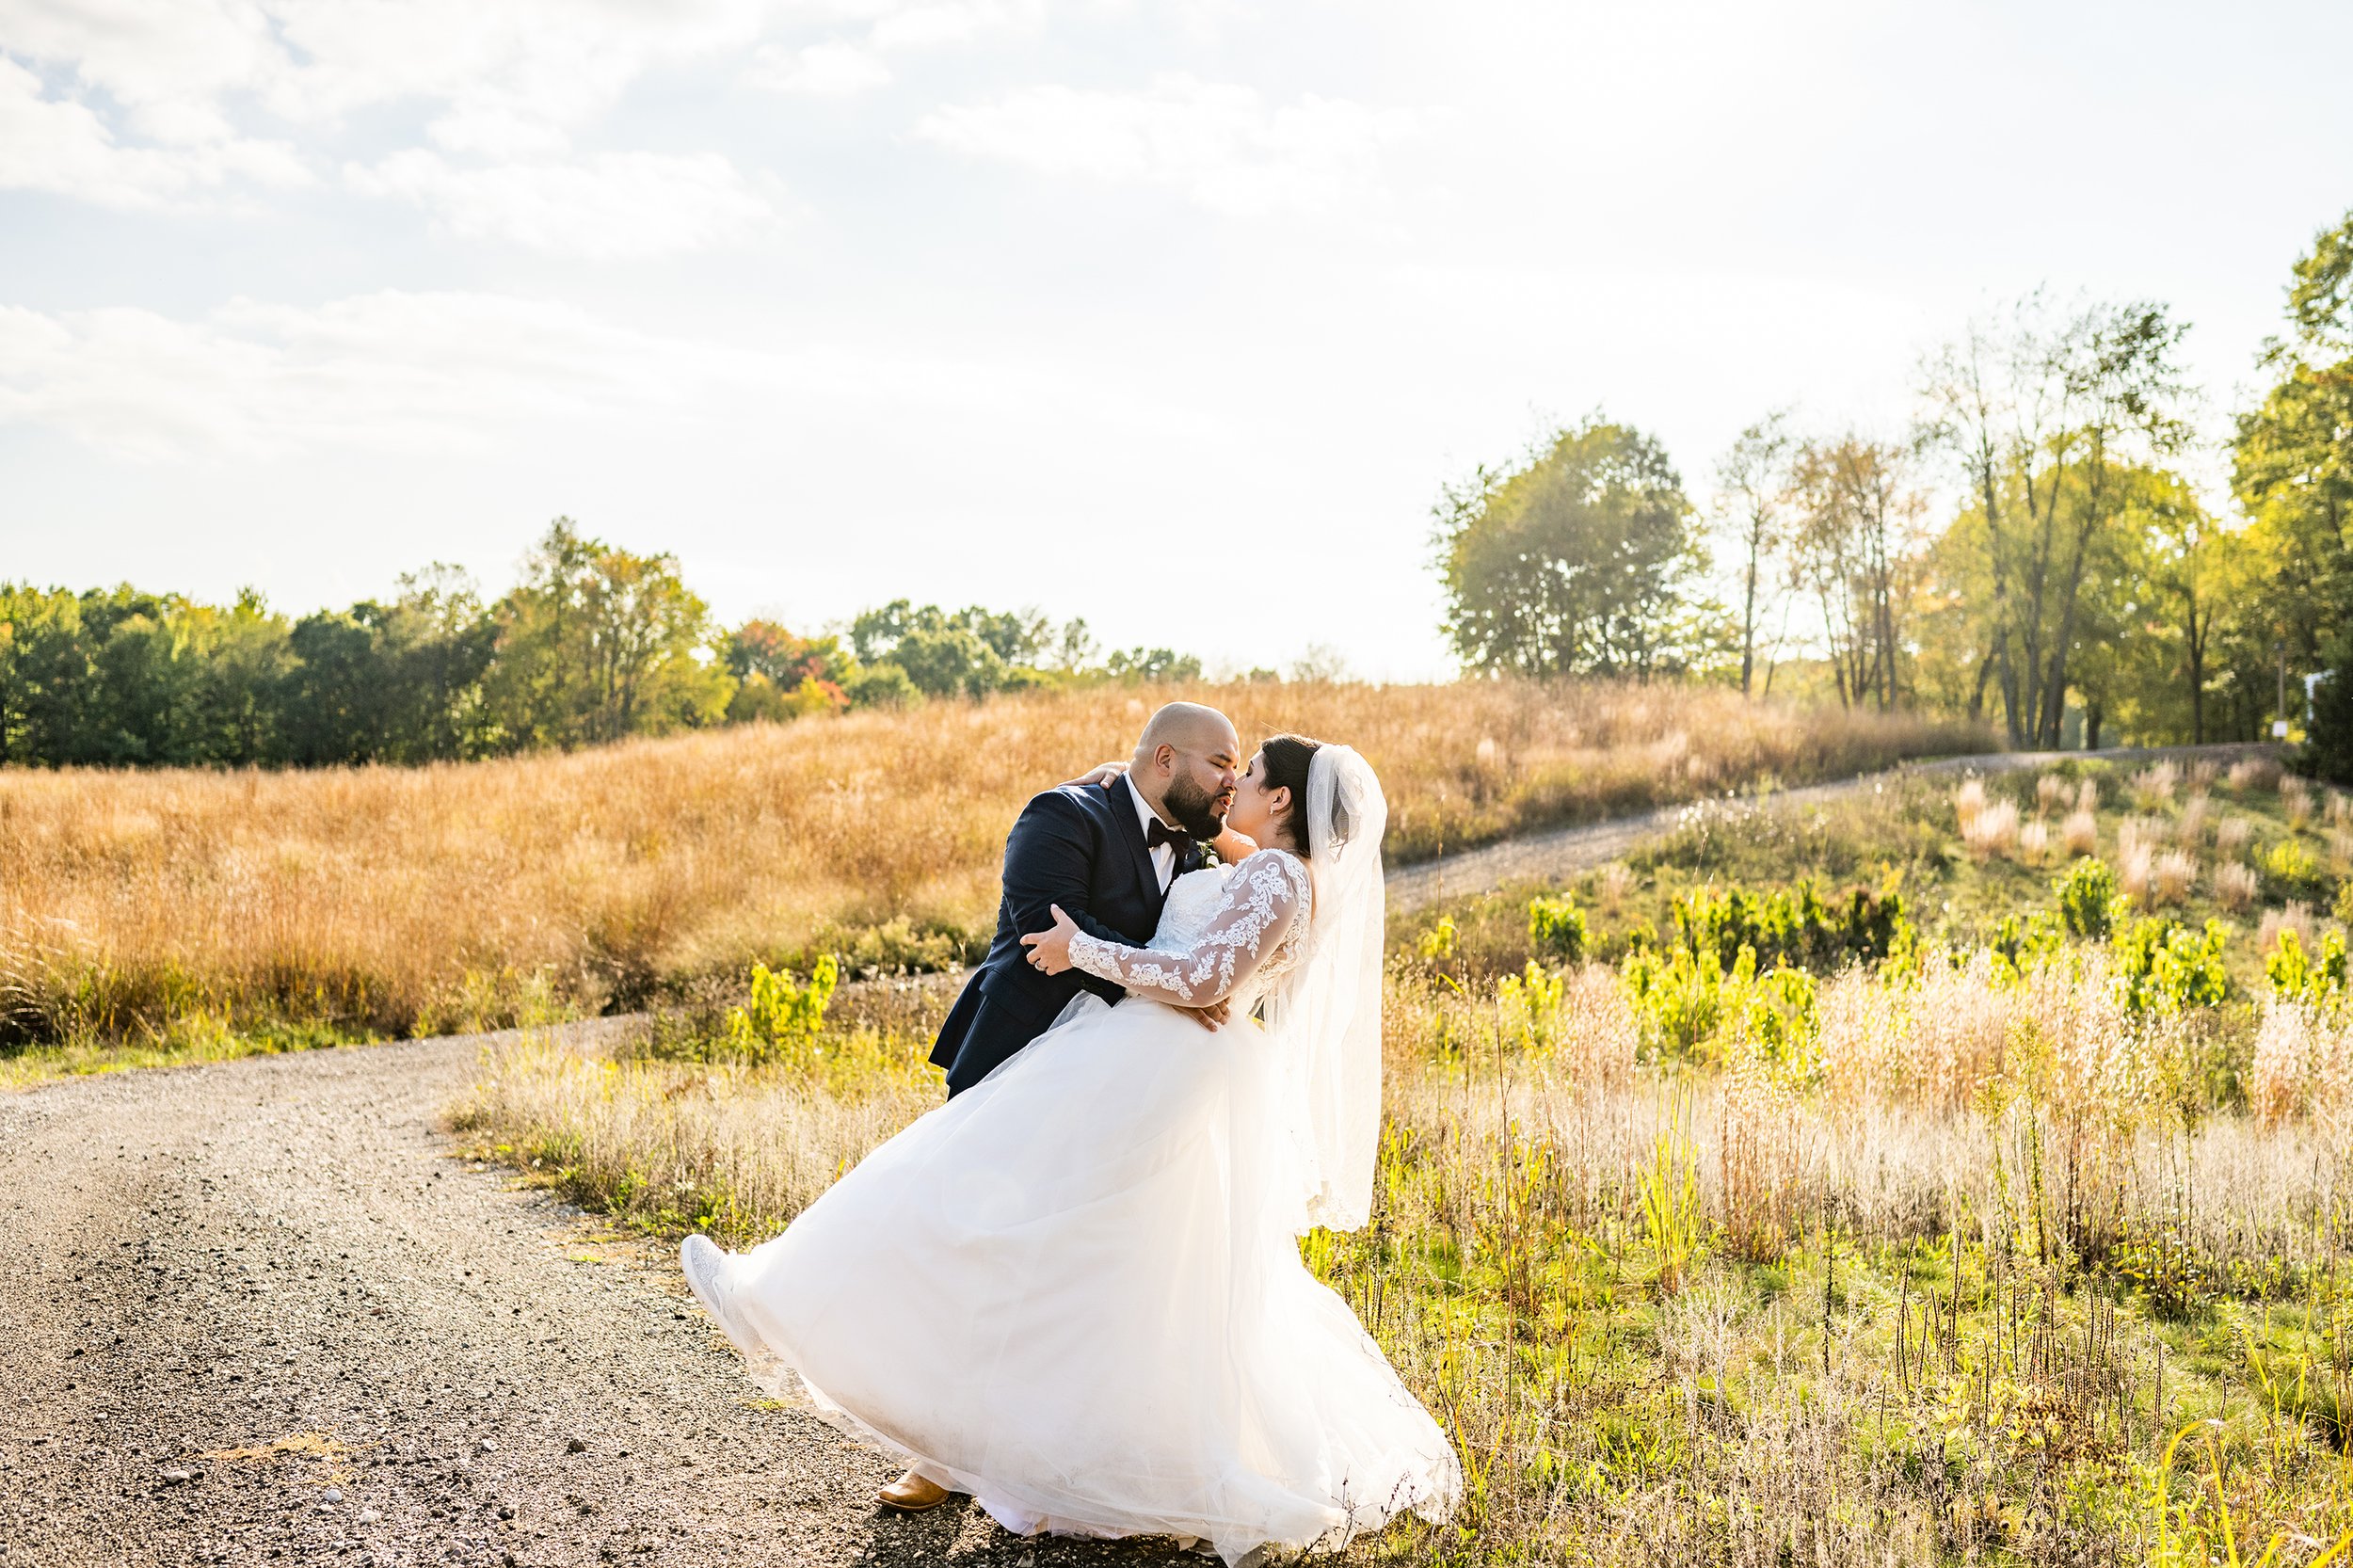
x=1561, y=854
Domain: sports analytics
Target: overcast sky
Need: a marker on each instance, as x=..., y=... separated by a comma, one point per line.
x=1174, y=318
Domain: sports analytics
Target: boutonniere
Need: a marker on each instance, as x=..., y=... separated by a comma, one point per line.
x=1209, y=856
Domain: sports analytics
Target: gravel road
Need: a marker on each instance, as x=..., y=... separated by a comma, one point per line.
x=1550, y=856
x=259, y=1311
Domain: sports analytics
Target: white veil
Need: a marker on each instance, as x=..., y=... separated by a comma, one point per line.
x=1329, y=1019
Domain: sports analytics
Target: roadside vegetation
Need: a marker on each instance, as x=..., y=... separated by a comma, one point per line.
x=1887, y=1182
x=171, y=910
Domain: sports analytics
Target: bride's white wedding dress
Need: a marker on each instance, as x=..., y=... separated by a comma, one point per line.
x=1075, y=1292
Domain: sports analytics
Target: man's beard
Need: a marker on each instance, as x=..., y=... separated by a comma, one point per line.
x=1195, y=809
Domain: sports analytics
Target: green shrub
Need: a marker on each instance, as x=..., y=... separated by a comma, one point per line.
x=884, y=685
x=1437, y=943
x=2165, y=967
x=1776, y=1014
x=2316, y=980
x=1528, y=1007
x=2174, y=1278
x=783, y=1019
x=2087, y=895
x=2020, y=947
x=899, y=946
x=1688, y=1004
x=1795, y=928
x=1678, y=998
x=1555, y=928
x=2291, y=865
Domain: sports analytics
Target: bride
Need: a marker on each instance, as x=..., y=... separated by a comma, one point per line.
x=1074, y=1291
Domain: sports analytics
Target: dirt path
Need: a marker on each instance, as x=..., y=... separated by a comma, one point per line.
x=1553, y=856
x=200, y=1265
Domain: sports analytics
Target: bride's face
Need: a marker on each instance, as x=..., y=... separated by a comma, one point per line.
x=1255, y=807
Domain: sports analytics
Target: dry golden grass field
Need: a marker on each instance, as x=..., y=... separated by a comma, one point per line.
x=177, y=911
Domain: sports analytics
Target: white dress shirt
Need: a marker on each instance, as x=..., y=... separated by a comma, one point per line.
x=1163, y=854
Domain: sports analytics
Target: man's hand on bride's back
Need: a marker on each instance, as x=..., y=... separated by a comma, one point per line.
x=1102, y=773
x=1210, y=1017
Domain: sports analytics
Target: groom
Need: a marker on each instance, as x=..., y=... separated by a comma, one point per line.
x=1106, y=853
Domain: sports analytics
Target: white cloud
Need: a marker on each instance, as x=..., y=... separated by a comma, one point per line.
x=606, y=206
x=149, y=101
x=929, y=25
x=512, y=80
x=832, y=70
x=144, y=53
x=385, y=371
x=56, y=145
x=1219, y=144
x=528, y=67
x=456, y=372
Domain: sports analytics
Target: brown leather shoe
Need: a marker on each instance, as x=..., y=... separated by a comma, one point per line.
x=912, y=1494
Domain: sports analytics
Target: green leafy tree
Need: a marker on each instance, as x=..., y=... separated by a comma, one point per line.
x=437, y=638
x=1855, y=544
x=763, y=647
x=949, y=661
x=397, y=683
x=333, y=697
x=2292, y=471
x=1580, y=559
x=597, y=644
x=44, y=660
x=1753, y=490
x=2043, y=418
x=882, y=685
x=1154, y=665
x=968, y=652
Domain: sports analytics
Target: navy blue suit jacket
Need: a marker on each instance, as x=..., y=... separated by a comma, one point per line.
x=1083, y=847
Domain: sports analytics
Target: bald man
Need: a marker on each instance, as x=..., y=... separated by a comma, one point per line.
x=1105, y=849
x=1105, y=852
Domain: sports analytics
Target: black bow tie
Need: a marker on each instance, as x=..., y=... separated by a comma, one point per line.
x=1159, y=833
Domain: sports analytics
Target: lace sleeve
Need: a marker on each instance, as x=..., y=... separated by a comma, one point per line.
x=1266, y=893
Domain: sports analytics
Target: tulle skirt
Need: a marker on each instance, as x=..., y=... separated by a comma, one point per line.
x=1074, y=1291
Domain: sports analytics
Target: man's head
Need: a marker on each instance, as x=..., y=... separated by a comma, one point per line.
x=1186, y=766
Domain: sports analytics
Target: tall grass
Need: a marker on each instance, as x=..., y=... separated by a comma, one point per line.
x=1941, y=1295
x=389, y=900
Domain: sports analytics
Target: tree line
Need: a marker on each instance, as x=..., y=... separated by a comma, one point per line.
x=594, y=644
x=2070, y=584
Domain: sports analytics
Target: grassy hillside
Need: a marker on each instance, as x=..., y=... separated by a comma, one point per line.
x=192, y=911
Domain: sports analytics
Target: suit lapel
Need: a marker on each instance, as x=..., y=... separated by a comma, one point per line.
x=1131, y=830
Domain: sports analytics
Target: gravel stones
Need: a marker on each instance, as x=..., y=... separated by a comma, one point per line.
x=302, y=1158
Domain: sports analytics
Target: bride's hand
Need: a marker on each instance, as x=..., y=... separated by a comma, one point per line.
x=1102, y=773
x=1049, y=950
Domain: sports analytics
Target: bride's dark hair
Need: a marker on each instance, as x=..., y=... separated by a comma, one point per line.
x=1286, y=758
